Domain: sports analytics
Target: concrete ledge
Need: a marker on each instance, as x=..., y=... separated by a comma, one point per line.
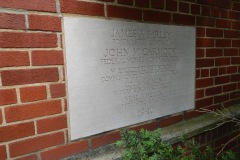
x=170, y=134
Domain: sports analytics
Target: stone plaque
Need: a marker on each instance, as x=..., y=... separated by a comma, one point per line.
x=122, y=73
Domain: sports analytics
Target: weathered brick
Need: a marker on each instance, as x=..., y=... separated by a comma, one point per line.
x=105, y=139
x=34, y=144
x=37, y=5
x=156, y=16
x=33, y=93
x=12, y=21
x=28, y=76
x=8, y=96
x=58, y=90
x=14, y=58
x=29, y=111
x=47, y=23
x=43, y=58
x=51, y=124
x=16, y=131
x=82, y=7
x=27, y=40
x=66, y=150
x=122, y=12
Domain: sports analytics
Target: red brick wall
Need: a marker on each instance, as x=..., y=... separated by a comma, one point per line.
x=33, y=100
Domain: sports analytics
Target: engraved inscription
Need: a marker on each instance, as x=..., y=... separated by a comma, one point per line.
x=122, y=73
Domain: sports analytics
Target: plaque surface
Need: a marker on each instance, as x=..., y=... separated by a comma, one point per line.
x=122, y=73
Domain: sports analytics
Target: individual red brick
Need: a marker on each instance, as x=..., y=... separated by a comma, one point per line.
x=204, y=72
x=206, y=10
x=105, y=139
x=235, y=78
x=235, y=60
x=1, y=118
x=28, y=76
x=52, y=124
x=43, y=58
x=213, y=91
x=156, y=16
x=224, y=13
x=199, y=94
x=31, y=157
x=64, y=151
x=171, y=5
x=159, y=4
x=205, y=42
x=123, y=12
x=222, y=80
x=127, y=2
x=214, y=52
x=222, y=61
x=215, y=12
x=8, y=96
x=200, y=63
x=234, y=15
x=29, y=111
x=27, y=40
x=147, y=126
x=195, y=9
x=16, y=131
x=230, y=87
x=223, y=4
x=236, y=6
x=213, y=72
x=184, y=7
x=47, y=23
x=36, y=5
x=142, y=3
x=231, y=52
x=222, y=70
x=34, y=144
x=204, y=102
x=221, y=98
x=183, y=19
x=222, y=23
x=200, y=53
x=202, y=83
x=223, y=43
x=82, y=7
x=235, y=43
x=198, y=73
x=205, y=21
x=33, y=93
x=236, y=25
x=3, y=152
x=232, y=69
x=214, y=32
x=58, y=90
x=231, y=34
x=13, y=58
x=12, y=21
x=170, y=120
x=201, y=32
